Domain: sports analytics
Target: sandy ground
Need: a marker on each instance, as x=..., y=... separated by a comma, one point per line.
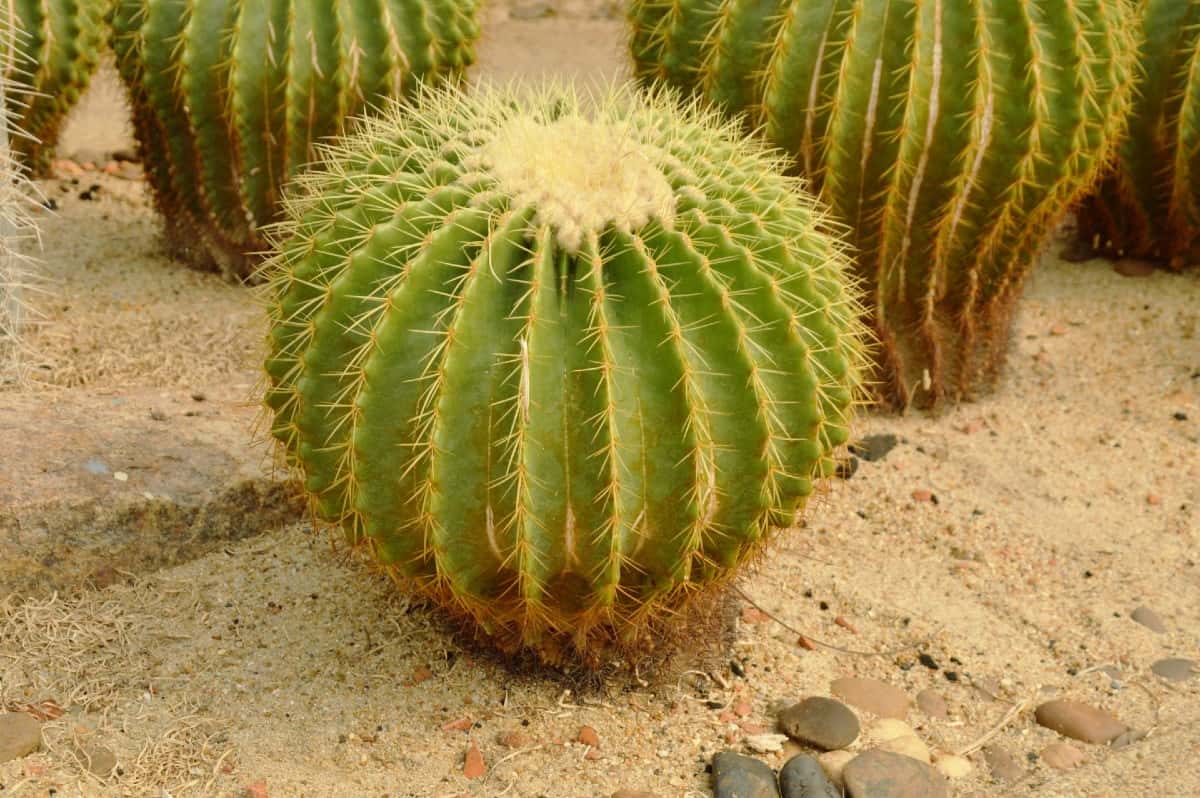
x=1063, y=502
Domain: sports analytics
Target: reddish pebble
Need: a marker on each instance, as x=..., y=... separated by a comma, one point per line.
x=256, y=789
x=473, y=766
x=588, y=736
x=842, y=622
x=422, y=674
x=806, y=644
x=593, y=755
x=1058, y=329
x=459, y=724
x=112, y=168
x=754, y=615
x=1153, y=499
x=727, y=716
x=751, y=728
x=87, y=166
x=743, y=708
x=513, y=739
x=922, y=495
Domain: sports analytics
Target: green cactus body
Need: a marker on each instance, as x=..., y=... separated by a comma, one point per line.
x=55, y=54
x=559, y=364
x=947, y=136
x=230, y=99
x=1148, y=204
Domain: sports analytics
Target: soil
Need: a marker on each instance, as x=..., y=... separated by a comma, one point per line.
x=1008, y=540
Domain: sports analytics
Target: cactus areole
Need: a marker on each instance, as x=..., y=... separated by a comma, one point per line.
x=1148, y=205
x=561, y=365
x=230, y=98
x=948, y=136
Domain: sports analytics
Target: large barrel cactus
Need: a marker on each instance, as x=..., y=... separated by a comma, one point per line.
x=561, y=365
x=54, y=45
x=230, y=98
x=16, y=227
x=948, y=136
x=1148, y=206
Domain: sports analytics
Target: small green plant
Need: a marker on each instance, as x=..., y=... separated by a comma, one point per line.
x=1148, y=205
x=230, y=98
x=561, y=365
x=54, y=45
x=948, y=136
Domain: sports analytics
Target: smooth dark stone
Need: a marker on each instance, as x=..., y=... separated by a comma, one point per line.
x=874, y=447
x=802, y=777
x=737, y=776
x=1175, y=669
x=821, y=722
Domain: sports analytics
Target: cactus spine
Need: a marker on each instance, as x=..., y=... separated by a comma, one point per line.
x=948, y=136
x=1148, y=205
x=55, y=54
x=229, y=98
x=559, y=364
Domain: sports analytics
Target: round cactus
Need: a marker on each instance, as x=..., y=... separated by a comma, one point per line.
x=54, y=46
x=1148, y=205
x=16, y=229
x=560, y=365
x=949, y=137
x=229, y=98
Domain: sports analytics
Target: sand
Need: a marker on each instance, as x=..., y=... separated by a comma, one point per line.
x=1064, y=501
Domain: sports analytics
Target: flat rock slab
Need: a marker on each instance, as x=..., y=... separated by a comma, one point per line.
x=1175, y=669
x=872, y=695
x=94, y=486
x=20, y=735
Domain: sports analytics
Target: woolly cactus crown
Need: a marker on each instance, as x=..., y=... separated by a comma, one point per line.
x=560, y=362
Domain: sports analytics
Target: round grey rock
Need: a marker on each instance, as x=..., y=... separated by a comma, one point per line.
x=20, y=735
x=1149, y=619
x=737, y=776
x=930, y=702
x=803, y=777
x=820, y=722
x=1175, y=669
x=883, y=774
x=96, y=759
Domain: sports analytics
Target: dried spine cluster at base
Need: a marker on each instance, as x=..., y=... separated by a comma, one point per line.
x=1148, y=205
x=52, y=49
x=230, y=98
x=562, y=417
x=948, y=136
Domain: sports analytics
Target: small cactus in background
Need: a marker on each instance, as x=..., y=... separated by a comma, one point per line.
x=949, y=137
x=55, y=54
x=229, y=98
x=1148, y=205
x=560, y=365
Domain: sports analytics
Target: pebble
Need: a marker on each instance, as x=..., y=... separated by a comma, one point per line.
x=833, y=763
x=1062, y=756
x=889, y=729
x=766, y=743
x=932, y=704
x=802, y=777
x=909, y=745
x=737, y=776
x=822, y=722
x=873, y=696
x=1150, y=619
x=513, y=739
x=20, y=735
x=1132, y=267
x=473, y=764
x=1079, y=721
x=1129, y=738
x=883, y=774
x=1003, y=765
x=874, y=447
x=255, y=789
x=1175, y=669
x=97, y=759
x=952, y=766
x=588, y=736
